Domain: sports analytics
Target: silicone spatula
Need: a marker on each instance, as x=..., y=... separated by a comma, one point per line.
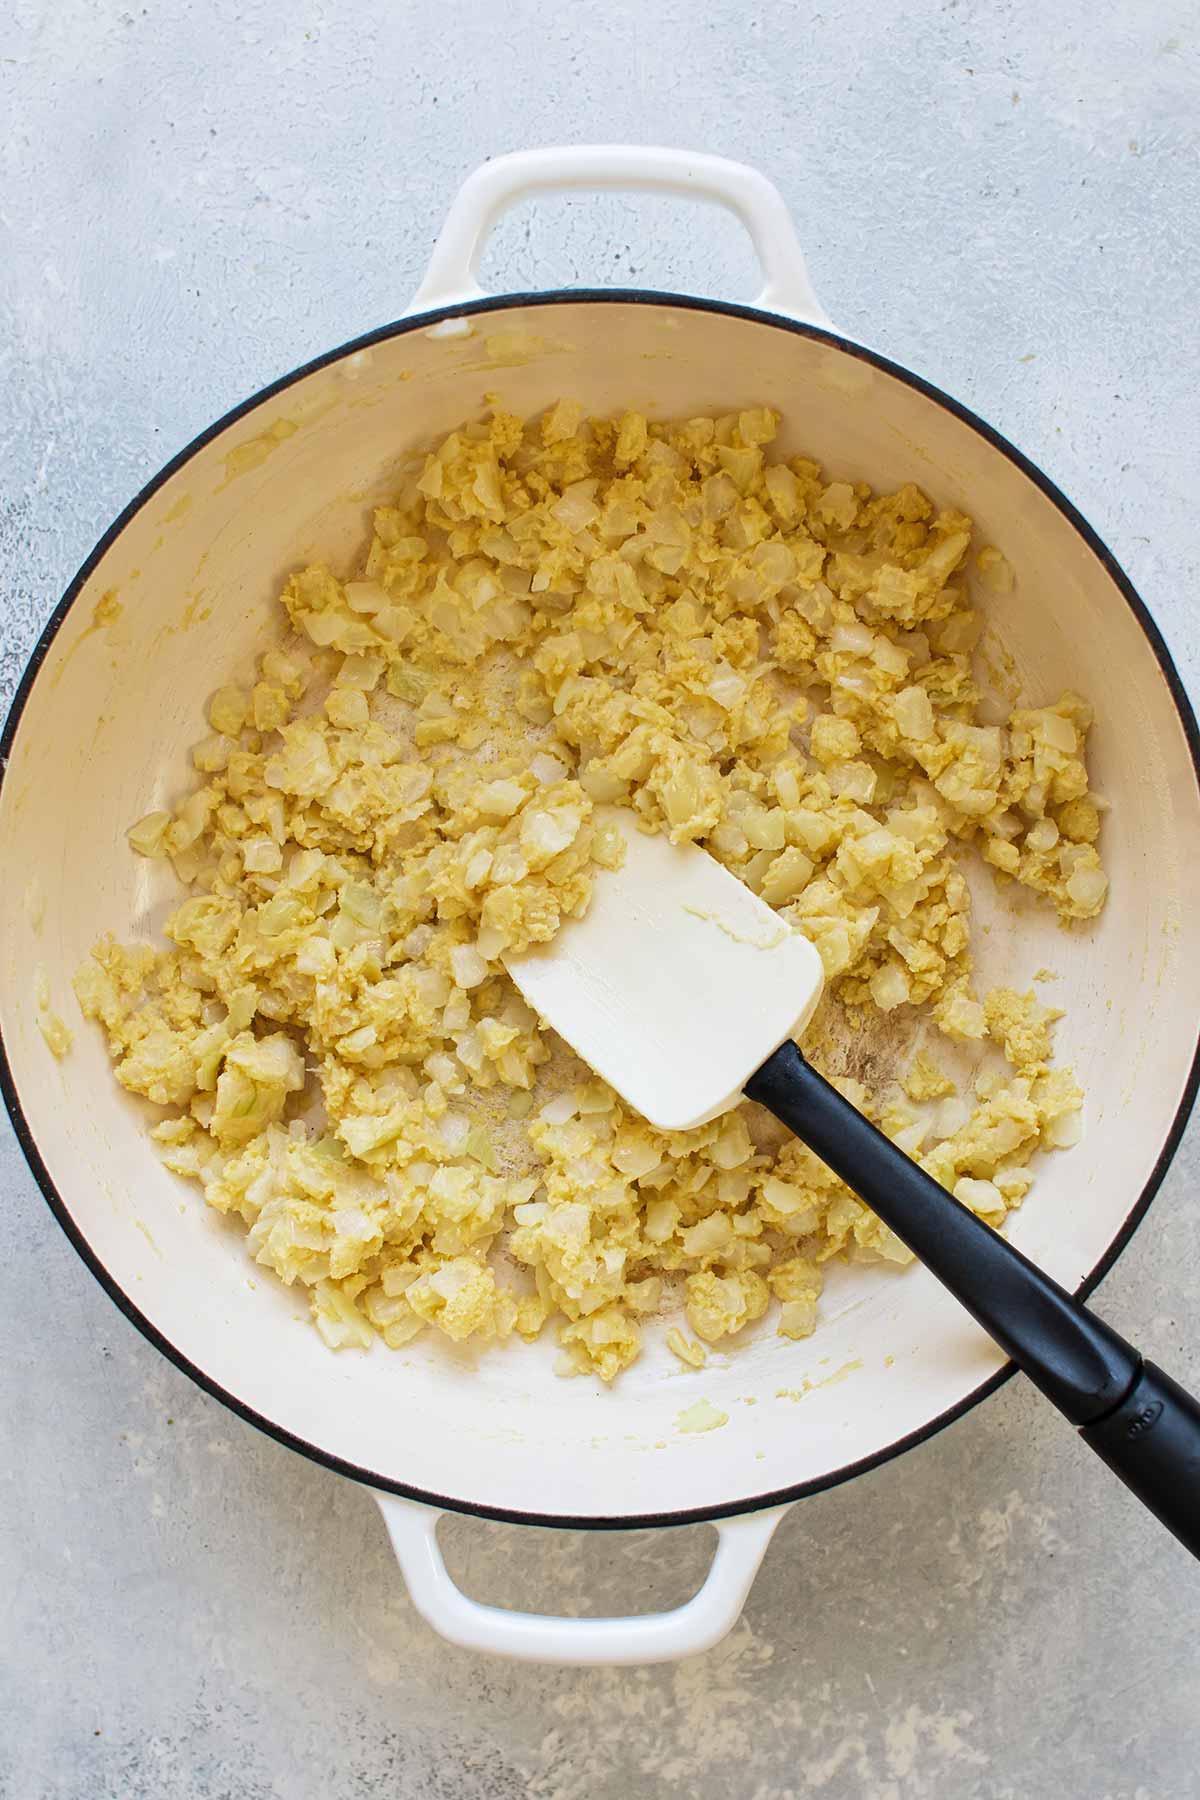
x=685, y=991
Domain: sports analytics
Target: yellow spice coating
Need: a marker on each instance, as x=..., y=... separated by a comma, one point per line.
x=553, y=614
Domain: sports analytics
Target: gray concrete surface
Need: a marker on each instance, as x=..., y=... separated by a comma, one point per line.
x=195, y=198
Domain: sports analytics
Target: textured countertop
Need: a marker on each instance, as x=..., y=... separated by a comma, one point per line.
x=194, y=199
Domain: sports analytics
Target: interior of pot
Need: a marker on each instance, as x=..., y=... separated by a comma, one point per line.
x=180, y=599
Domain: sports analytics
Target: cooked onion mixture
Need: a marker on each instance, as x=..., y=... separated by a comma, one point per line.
x=555, y=614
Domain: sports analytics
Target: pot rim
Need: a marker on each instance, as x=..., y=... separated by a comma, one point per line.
x=383, y=334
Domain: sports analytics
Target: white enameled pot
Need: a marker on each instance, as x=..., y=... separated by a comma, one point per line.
x=172, y=602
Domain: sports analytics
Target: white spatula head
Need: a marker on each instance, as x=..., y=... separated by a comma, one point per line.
x=676, y=984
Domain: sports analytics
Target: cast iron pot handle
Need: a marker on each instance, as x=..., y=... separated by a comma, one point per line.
x=532, y=1637
x=496, y=186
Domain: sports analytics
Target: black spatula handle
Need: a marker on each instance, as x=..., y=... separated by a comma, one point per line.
x=1146, y=1428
